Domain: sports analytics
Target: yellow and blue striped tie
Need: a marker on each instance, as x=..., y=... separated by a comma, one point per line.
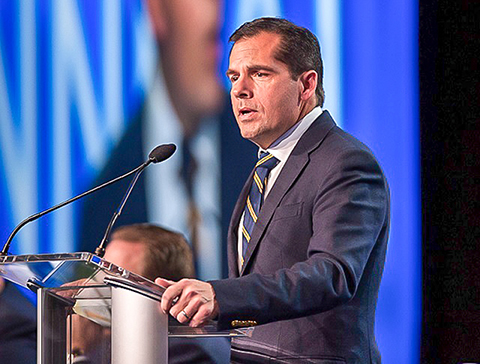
x=255, y=198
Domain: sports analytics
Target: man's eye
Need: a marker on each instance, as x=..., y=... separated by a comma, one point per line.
x=233, y=78
x=260, y=74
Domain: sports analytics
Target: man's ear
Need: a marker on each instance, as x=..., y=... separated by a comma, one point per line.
x=308, y=81
x=156, y=11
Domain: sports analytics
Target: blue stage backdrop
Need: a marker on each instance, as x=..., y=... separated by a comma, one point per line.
x=72, y=73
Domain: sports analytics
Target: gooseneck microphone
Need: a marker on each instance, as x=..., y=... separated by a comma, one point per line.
x=161, y=153
x=158, y=154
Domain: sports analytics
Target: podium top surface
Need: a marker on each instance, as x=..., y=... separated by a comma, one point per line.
x=67, y=269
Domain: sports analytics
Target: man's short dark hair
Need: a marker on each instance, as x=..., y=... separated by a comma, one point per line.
x=168, y=254
x=299, y=48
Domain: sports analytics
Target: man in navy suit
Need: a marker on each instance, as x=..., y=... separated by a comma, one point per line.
x=305, y=263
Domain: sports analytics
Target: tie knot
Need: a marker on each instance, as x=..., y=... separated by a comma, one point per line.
x=266, y=161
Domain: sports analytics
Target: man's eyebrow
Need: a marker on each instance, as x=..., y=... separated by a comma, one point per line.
x=261, y=67
x=254, y=67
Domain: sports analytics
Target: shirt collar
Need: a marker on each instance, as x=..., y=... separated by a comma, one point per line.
x=283, y=146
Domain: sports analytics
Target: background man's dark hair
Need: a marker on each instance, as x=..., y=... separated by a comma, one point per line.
x=168, y=254
x=299, y=48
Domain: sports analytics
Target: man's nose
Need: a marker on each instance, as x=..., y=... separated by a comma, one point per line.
x=242, y=89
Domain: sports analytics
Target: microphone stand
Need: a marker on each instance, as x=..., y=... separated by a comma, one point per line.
x=100, y=250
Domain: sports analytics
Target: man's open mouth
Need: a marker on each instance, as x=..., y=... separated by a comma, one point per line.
x=246, y=111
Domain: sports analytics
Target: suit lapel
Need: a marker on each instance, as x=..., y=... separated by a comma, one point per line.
x=294, y=166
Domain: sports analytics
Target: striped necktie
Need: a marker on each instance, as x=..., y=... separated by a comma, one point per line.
x=255, y=198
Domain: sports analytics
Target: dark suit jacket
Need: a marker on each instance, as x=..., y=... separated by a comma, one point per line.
x=314, y=263
x=198, y=350
x=18, y=327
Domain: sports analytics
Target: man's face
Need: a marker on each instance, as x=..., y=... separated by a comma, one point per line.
x=126, y=254
x=265, y=99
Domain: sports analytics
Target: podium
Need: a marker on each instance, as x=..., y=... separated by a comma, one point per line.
x=87, y=303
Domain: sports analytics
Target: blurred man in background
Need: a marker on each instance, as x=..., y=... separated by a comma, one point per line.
x=151, y=251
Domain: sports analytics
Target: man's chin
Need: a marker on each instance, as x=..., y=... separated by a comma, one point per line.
x=252, y=136
x=248, y=134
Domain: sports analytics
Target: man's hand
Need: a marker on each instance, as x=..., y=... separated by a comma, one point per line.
x=195, y=305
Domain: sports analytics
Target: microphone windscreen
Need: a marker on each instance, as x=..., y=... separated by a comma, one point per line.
x=162, y=152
